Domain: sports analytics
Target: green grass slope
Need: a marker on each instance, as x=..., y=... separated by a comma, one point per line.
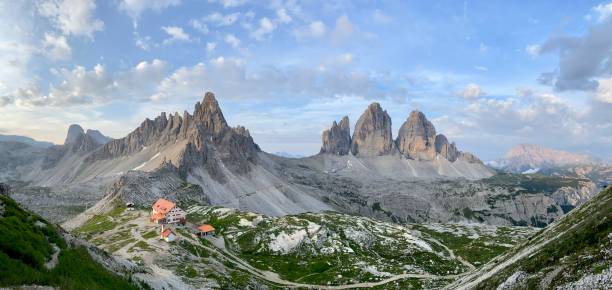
x=572, y=253
x=26, y=244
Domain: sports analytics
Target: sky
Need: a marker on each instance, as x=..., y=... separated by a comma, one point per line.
x=488, y=74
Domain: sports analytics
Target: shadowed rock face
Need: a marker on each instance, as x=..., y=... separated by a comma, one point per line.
x=416, y=138
x=208, y=140
x=372, y=136
x=337, y=140
x=74, y=131
x=446, y=150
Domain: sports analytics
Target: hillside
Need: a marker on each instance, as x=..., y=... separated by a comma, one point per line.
x=34, y=252
x=572, y=253
x=310, y=250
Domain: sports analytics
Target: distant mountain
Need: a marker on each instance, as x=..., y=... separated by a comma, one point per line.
x=573, y=253
x=26, y=140
x=416, y=140
x=288, y=154
x=419, y=176
x=532, y=158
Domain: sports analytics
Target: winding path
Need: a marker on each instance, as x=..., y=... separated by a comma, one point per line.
x=274, y=278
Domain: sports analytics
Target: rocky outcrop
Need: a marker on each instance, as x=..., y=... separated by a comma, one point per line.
x=372, y=136
x=208, y=140
x=446, y=150
x=416, y=138
x=337, y=139
x=97, y=136
x=5, y=189
x=74, y=131
x=144, y=188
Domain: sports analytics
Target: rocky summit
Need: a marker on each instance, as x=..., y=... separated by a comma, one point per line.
x=337, y=139
x=372, y=136
x=416, y=138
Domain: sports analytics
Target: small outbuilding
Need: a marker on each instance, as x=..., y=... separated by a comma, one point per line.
x=168, y=235
x=206, y=230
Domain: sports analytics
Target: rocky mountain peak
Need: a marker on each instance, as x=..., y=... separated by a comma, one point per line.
x=337, y=139
x=97, y=136
x=372, y=136
x=416, y=137
x=73, y=133
x=446, y=149
x=208, y=113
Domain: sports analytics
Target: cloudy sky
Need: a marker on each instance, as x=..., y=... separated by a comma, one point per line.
x=489, y=74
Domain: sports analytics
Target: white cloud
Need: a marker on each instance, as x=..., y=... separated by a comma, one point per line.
x=81, y=86
x=282, y=16
x=210, y=46
x=72, y=17
x=134, y=8
x=315, y=29
x=344, y=29
x=483, y=48
x=604, y=91
x=229, y=3
x=176, y=34
x=221, y=20
x=481, y=68
x=232, y=40
x=381, y=17
x=472, y=91
x=266, y=27
x=199, y=26
x=56, y=47
x=604, y=11
x=533, y=50
x=145, y=43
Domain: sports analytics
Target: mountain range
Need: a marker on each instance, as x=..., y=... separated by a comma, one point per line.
x=417, y=176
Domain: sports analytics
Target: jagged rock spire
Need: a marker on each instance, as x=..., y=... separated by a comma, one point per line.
x=337, y=139
x=73, y=133
x=372, y=136
x=416, y=137
x=208, y=113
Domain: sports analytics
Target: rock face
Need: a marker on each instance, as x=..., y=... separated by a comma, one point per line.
x=208, y=140
x=416, y=138
x=446, y=150
x=77, y=142
x=372, y=136
x=74, y=131
x=337, y=139
x=97, y=136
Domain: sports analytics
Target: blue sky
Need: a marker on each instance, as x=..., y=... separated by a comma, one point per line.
x=489, y=74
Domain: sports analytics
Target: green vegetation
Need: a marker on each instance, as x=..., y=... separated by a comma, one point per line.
x=150, y=235
x=25, y=246
x=577, y=245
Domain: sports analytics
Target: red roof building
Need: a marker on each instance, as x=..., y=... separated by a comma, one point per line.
x=206, y=230
x=166, y=212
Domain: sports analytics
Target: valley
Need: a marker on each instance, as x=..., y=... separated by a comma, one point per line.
x=368, y=211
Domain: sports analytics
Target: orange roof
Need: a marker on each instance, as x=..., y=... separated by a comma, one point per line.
x=166, y=233
x=157, y=216
x=163, y=206
x=206, y=228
